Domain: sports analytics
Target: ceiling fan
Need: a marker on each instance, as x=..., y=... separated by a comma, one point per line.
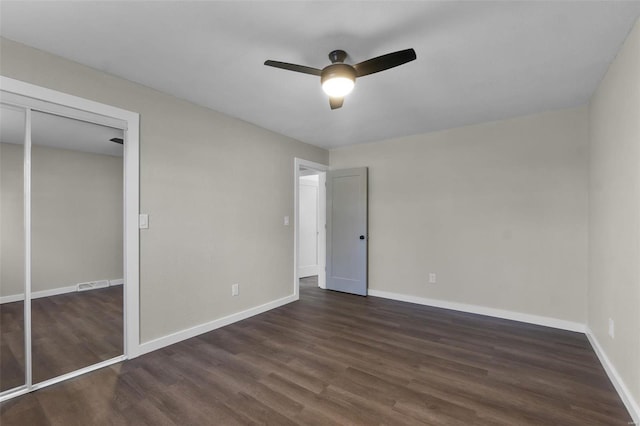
x=339, y=78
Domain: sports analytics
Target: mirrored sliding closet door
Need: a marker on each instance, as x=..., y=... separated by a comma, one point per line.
x=76, y=244
x=62, y=249
x=12, y=249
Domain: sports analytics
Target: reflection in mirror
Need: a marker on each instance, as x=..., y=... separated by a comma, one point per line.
x=76, y=244
x=12, y=284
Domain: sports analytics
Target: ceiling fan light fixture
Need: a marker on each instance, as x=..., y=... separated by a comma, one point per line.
x=338, y=87
x=338, y=80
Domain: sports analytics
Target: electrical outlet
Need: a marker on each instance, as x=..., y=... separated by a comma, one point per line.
x=235, y=289
x=286, y=221
x=612, y=328
x=432, y=277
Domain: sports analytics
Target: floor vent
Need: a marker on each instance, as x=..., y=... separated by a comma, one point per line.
x=92, y=285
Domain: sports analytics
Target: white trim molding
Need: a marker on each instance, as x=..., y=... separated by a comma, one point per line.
x=39, y=294
x=483, y=310
x=54, y=291
x=118, y=281
x=188, y=333
x=614, y=376
x=12, y=298
x=79, y=372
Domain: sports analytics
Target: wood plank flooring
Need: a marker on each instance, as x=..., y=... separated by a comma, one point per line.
x=334, y=358
x=11, y=345
x=69, y=331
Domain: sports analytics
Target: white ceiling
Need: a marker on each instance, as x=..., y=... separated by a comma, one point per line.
x=59, y=132
x=477, y=61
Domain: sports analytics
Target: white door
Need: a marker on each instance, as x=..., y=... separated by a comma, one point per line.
x=347, y=230
x=308, y=211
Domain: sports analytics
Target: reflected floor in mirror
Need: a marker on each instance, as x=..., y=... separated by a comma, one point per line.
x=70, y=331
x=11, y=345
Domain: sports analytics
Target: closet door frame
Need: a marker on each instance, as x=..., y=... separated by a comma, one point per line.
x=36, y=98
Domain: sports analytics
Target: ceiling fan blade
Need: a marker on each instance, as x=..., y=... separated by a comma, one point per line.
x=384, y=62
x=293, y=67
x=336, y=102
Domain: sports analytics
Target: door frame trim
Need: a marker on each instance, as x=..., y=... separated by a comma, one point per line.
x=321, y=168
x=130, y=124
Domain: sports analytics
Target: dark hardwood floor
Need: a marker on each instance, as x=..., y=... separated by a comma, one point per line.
x=69, y=331
x=334, y=358
x=11, y=345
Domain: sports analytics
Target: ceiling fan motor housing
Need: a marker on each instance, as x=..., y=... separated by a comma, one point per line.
x=337, y=56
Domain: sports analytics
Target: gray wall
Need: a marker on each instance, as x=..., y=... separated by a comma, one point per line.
x=76, y=217
x=614, y=208
x=11, y=220
x=211, y=225
x=498, y=211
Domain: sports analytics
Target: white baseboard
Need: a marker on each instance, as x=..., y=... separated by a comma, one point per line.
x=483, y=310
x=12, y=298
x=51, y=292
x=92, y=285
x=307, y=271
x=188, y=333
x=618, y=383
x=119, y=281
x=39, y=294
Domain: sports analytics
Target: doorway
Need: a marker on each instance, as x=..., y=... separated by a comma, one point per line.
x=310, y=224
x=69, y=276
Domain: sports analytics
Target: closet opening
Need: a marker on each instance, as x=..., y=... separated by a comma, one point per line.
x=68, y=237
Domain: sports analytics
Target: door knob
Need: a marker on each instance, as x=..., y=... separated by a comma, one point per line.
x=362, y=237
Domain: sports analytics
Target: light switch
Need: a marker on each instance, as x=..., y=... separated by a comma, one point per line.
x=144, y=221
x=286, y=220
